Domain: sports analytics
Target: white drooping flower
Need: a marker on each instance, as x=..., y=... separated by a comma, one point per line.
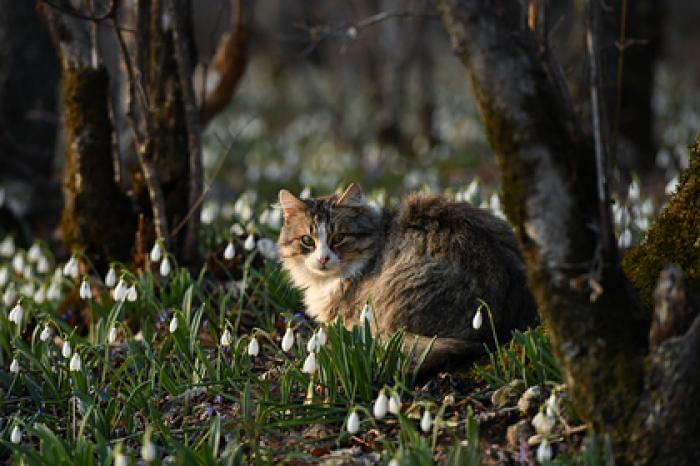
x=66, y=350
x=165, y=267
x=268, y=248
x=173, y=325
x=9, y=296
x=7, y=247
x=321, y=336
x=112, y=335
x=42, y=264
x=381, y=405
x=237, y=229
x=544, y=452
x=274, y=220
x=426, y=422
x=45, y=334
x=366, y=315
x=71, y=268
x=18, y=263
x=249, y=243
x=543, y=423
x=395, y=403
x=40, y=295
x=120, y=459
x=148, y=451
x=156, y=253
x=309, y=366
x=625, y=239
x=551, y=405
x=478, y=320
x=14, y=366
x=288, y=340
x=85, y=291
x=16, y=314
x=226, y=338
x=312, y=345
x=393, y=462
x=54, y=292
x=120, y=291
x=4, y=276
x=34, y=253
x=305, y=193
x=253, y=347
x=353, y=424
x=111, y=277
x=75, y=363
x=16, y=435
x=132, y=294
x=230, y=251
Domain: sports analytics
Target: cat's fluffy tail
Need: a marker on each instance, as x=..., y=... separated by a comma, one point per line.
x=444, y=352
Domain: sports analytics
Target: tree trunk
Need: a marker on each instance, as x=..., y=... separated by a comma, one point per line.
x=549, y=185
x=97, y=217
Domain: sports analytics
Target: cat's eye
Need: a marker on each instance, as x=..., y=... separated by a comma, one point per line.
x=338, y=238
x=307, y=241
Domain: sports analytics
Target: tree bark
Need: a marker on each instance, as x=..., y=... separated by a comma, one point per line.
x=549, y=185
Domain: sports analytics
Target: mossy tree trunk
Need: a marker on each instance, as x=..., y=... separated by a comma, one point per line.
x=549, y=182
x=97, y=217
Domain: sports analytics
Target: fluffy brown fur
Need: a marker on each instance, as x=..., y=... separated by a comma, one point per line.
x=423, y=266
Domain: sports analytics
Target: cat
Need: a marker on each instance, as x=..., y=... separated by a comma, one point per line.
x=425, y=266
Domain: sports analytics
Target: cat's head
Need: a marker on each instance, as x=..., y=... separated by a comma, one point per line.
x=327, y=237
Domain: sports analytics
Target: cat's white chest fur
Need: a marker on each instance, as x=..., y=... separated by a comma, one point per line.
x=317, y=298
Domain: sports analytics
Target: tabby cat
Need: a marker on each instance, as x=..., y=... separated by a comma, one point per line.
x=424, y=266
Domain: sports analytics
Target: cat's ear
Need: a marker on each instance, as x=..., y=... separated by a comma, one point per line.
x=290, y=204
x=351, y=196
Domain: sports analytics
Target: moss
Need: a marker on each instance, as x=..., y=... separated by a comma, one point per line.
x=673, y=238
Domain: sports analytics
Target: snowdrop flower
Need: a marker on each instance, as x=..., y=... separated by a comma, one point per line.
x=85, y=291
x=173, y=325
x=473, y=192
x=75, y=363
x=120, y=459
x=4, y=276
x=670, y=187
x=16, y=435
x=353, y=424
x=237, y=229
x=40, y=295
x=66, y=350
x=381, y=405
x=309, y=366
x=45, y=334
x=312, y=345
x=321, y=337
x=394, y=462
x=226, y=338
x=34, y=253
x=54, y=292
x=253, y=347
x=633, y=191
x=165, y=267
x=131, y=294
x=148, y=451
x=18, y=263
x=551, y=405
x=27, y=290
x=156, y=252
x=426, y=421
x=230, y=251
x=267, y=248
x=544, y=452
x=9, y=296
x=112, y=335
x=543, y=423
x=305, y=193
x=7, y=247
x=16, y=314
x=625, y=239
x=395, y=403
x=478, y=320
x=42, y=264
x=14, y=366
x=120, y=291
x=366, y=315
x=111, y=277
x=249, y=243
x=288, y=340
x=274, y=220
x=71, y=268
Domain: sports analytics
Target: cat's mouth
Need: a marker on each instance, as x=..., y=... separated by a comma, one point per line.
x=323, y=270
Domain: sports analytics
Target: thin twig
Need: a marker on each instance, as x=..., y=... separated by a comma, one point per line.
x=194, y=130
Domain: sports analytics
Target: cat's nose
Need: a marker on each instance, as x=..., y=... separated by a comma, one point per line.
x=323, y=259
